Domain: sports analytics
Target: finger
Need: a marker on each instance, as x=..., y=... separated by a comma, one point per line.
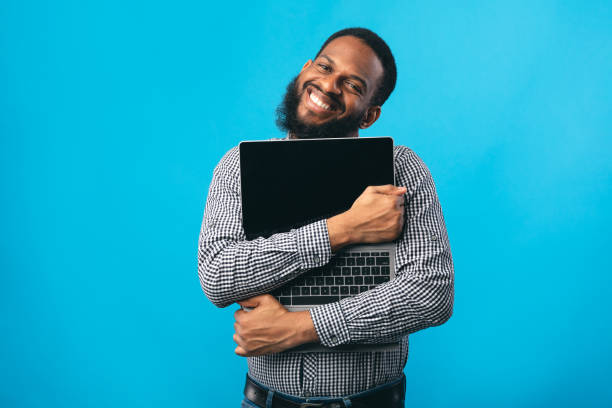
x=400, y=190
x=386, y=189
x=238, y=340
x=251, y=302
x=241, y=352
x=240, y=315
x=267, y=299
x=248, y=303
x=399, y=201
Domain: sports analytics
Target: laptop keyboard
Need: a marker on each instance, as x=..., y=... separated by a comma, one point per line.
x=347, y=274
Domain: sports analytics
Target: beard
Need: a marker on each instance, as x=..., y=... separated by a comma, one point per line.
x=287, y=119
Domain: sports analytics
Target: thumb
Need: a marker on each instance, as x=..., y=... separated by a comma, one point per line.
x=400, y=190
x=253, y=301
x=388, y=189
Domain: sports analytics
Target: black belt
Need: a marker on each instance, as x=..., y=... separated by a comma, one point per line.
x=389, y=397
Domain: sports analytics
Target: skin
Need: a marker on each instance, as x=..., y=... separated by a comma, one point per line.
x=344, y=76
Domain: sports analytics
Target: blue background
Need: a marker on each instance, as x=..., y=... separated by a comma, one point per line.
x=114, y=114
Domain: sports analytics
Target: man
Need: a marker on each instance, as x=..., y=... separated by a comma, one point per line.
x=335, y=95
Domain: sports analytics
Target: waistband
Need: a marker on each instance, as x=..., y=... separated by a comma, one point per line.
x=390, y=395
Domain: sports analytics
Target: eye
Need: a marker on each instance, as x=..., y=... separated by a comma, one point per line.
x=353, y=86
x=324, y=67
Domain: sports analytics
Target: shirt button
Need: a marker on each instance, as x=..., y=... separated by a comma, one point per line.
x=333, y=337
x=316, y=258
x=434, y=237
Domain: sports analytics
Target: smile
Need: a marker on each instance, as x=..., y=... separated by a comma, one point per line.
x=317, y=101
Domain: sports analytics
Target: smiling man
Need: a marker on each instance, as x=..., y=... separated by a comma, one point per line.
x=341, y=91
x=335, y=95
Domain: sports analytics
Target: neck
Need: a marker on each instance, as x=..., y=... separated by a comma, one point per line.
x=354, y=133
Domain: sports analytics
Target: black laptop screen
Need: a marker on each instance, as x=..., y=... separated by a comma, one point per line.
x=289, y=183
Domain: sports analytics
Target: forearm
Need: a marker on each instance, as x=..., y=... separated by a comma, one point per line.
x=232, y=269
x=419, y=297
x=339, y=232
x=305, y=329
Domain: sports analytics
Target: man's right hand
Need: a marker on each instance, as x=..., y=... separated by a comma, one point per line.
x=376, y=216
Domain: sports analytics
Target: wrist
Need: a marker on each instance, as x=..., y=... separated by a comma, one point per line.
x=306, y=332
x=340, y=231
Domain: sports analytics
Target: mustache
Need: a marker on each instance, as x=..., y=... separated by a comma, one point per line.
x=332, y=97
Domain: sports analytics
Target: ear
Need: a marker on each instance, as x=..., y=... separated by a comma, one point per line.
x=306, y=65
x=371, y=116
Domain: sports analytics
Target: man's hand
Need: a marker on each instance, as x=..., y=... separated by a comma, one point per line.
x=270, y=328
x=376, y=216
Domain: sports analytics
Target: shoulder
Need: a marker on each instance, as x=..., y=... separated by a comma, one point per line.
x=410, y=169
x=230, y=160
x=227, y=171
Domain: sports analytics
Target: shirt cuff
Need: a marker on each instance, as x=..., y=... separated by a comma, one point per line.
x=313, y=244
x=330, y=324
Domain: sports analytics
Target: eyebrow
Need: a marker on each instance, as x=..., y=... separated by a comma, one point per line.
x=358, y=78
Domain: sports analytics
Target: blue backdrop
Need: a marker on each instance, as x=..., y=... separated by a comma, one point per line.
x=114, y=114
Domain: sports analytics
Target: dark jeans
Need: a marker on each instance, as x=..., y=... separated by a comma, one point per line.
x=248, y=404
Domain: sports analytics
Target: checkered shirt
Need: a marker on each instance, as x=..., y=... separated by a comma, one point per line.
x=231, y=268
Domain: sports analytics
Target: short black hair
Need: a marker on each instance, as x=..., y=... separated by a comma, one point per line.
x=382, y=51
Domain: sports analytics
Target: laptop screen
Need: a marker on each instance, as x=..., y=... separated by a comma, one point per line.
x=290, y=183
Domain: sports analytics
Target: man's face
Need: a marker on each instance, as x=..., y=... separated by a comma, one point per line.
x=331, y=95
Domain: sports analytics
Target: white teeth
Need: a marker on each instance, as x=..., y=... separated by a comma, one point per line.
x=318, y=102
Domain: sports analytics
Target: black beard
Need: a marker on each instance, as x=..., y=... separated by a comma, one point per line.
x=288, y=121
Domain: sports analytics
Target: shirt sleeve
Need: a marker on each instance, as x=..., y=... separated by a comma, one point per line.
x=232, y=268
x=420, y=296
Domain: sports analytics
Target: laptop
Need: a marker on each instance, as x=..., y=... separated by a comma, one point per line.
x=287, y=184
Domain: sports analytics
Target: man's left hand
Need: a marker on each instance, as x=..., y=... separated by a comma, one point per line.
x=270, y=328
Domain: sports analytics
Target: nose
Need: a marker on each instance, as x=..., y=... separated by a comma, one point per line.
x=331, y=85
